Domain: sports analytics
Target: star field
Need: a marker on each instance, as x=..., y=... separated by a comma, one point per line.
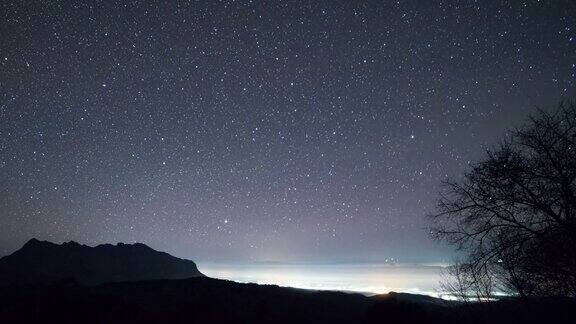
x=261, y=130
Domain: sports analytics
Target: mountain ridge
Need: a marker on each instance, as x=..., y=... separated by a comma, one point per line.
x=43, y=261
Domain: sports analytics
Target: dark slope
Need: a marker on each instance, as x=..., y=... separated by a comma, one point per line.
x=195, y=300
x=42, y=262
x=206, y=300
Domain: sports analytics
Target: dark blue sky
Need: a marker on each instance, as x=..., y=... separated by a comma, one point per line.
x=261, y=130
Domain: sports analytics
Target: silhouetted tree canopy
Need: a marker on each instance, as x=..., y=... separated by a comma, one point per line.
x=514, y=213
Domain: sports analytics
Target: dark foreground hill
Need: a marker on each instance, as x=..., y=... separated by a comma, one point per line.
x=206, y=300
x=43, y=262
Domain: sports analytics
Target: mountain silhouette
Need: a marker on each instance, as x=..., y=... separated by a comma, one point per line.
x=43, y=262
x=45, y=282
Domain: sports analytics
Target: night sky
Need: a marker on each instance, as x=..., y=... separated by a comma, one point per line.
x=262, y=130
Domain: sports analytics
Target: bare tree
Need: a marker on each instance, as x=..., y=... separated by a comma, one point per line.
x=514, y=213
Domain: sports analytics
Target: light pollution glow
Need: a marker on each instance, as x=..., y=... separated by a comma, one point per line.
x=368, y=279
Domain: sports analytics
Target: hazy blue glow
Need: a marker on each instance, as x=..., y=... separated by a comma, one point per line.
x=364, y=278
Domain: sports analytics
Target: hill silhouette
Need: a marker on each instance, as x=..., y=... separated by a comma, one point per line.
x=207, y=300
x=43, y=262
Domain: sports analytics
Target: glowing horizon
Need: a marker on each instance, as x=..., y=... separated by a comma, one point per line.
x=367, y=279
